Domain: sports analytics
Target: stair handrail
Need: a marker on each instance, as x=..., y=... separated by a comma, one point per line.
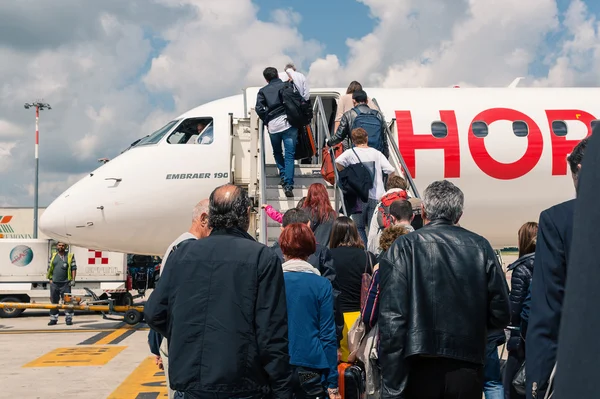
x=320, y=117
x=262, y=184
x=399, y=159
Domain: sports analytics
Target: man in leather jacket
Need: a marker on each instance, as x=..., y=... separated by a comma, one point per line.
x=270, y=109
x=343, y=133
x=442, y=289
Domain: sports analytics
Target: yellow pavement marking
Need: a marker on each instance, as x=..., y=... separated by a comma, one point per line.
x=147, y=381
x=73, y=331
x=113, y=335
x=77, y=356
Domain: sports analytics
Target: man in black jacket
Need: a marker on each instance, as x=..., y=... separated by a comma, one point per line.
x=221, y=304
x=321, y=260
x=578, y=348
x=442, y=289
x=270, y=109
x=555, y=231
x=344, y=131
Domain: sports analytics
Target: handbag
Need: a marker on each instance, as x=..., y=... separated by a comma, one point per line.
x=310, y=382
x=365, y=283
x=356, y=180
x=519, y=381
x=355, y=336
x=305, y=147
x=327, y=167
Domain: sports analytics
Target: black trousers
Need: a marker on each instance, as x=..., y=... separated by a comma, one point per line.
x=58, y=291
x=442, y=378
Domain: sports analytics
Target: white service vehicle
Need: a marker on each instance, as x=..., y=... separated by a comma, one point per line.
x=24, y=264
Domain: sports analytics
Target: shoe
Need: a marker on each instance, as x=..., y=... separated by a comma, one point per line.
x=288, y=192
x=69, y=322
x=282, y=182
x=52, y=322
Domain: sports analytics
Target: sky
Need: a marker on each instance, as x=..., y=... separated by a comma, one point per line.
x=114, y=71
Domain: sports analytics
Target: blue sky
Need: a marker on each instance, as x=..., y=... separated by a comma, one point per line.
x=331, y=22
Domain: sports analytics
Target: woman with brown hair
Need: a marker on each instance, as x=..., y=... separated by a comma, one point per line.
x=351, y=261
x=522, y=271
x=322, y=215
x=345, y=102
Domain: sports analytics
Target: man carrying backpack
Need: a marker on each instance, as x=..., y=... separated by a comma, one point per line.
x=362, y=116
x=272, y=111
x=396, y=190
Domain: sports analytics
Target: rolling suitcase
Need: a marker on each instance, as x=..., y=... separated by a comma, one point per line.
x=351, y=381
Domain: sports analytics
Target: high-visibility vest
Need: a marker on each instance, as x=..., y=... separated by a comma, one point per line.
x=51, y=267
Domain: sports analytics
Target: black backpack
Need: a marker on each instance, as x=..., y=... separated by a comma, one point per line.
x=297, y=109
x=372, y=124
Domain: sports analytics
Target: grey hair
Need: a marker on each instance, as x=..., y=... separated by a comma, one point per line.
x=290, y=65
x=200, y=208
x=443, y=200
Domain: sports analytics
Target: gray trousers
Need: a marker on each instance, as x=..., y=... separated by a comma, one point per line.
x=58, y=291
x=164, y=354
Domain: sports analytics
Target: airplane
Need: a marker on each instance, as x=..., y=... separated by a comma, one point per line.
x=506, y=149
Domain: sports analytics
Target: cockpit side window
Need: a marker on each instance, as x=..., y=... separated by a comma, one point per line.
x=193, y=131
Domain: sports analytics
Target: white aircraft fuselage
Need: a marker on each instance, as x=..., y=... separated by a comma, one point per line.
x=506, y=149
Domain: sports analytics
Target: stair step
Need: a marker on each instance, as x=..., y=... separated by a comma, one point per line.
x=316, y=172
x=277, y=192
x=295, y=198
x=304, y=176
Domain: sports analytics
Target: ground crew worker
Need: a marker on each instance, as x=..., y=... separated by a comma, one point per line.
x=61, y=273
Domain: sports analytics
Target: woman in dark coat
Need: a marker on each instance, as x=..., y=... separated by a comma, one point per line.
x=322, y=215
x=522, y=271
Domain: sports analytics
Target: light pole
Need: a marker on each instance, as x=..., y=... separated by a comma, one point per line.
x=38, y=106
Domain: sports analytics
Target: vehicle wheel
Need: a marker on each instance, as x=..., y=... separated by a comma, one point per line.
x=10, y=312
x=126, y=299
x=132, y=317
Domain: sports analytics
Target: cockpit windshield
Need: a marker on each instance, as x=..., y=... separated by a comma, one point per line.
x=156, y=136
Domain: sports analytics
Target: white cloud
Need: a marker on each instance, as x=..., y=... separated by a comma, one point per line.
x=223, y=48
x=443, y=42
x=99, y=67
x=577, y=61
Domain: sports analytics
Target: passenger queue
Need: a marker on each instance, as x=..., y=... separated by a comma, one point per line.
x=396, y=301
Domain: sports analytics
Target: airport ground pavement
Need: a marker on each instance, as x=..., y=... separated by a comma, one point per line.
x=93, y=358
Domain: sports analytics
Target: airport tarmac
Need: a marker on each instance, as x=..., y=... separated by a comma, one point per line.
x=93, y=358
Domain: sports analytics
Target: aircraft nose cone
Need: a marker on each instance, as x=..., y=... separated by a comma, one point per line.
x=53, y=222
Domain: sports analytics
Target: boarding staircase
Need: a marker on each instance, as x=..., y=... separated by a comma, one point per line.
x=262, y=179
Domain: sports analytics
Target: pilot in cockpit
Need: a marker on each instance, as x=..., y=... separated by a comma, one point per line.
x=205, y=133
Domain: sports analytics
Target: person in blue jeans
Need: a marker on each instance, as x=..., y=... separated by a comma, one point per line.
x=285, y=163
x=492, y=376
x=270, y=109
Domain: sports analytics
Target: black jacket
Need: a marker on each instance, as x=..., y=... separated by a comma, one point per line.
x=221, y=304
x=552, y=250
x=442, y=289
x=323, y=262
x=579, y=345
x=522, y=271
x=268, y=101
x=342, y=135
